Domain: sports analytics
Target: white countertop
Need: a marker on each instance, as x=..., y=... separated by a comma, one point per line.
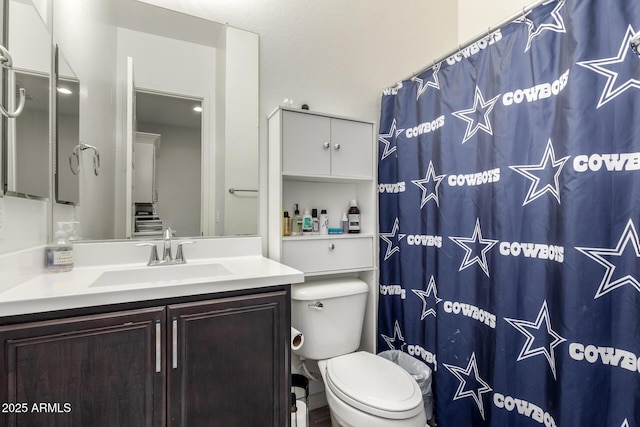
x=57, y=291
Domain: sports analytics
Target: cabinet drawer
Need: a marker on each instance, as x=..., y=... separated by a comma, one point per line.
x=327, y=255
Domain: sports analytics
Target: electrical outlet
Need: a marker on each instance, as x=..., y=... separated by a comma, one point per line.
x=2, y=219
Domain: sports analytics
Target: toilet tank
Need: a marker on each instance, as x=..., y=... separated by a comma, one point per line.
x=330, y=314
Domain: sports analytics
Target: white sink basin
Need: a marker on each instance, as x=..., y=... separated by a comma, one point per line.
x=160, y=274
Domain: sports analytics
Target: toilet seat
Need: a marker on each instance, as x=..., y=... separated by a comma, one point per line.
x=374, y=385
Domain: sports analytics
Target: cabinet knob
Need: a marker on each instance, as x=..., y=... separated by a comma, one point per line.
x=331, y=246
x=326, y=145
x=337, y=146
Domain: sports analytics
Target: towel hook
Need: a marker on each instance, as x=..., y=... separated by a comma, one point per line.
x=6, y=61
x=76, y=153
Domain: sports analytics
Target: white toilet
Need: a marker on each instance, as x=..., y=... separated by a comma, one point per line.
x=363, y=390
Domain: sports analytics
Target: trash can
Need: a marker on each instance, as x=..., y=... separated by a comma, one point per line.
x=419, y=371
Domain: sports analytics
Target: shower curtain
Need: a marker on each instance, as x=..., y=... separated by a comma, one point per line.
x=509, y=189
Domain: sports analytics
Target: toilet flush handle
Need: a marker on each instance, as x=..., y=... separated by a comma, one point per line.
x=317, y=305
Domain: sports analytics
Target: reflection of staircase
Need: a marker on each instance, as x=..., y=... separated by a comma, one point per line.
x=147, y=222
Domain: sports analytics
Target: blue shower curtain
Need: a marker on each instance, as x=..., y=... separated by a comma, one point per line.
x=509, y=188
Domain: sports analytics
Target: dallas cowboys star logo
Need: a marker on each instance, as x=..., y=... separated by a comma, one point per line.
x=423, y=86
x=626, y=255
x=424, y=296
x=547, y=339
x=389, y=237
x=480, y=108
x=397, y=336
x=625, y=423
x=429, y=193
x=470, y=373
x=621, y=74
x=470, y=244
x=556, y=26
x=547, y=171
x=389, y=140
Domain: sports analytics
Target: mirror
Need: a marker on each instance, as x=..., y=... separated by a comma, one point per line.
x=25, y=150
x=175, y=56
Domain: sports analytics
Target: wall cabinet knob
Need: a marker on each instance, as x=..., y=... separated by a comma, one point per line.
x=331, y=246
x=337, y=146
x=326, y=145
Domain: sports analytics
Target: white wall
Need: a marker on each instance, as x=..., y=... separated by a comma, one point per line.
x=475, y=17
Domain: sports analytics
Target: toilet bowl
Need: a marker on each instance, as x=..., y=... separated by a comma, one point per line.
x=364, y=390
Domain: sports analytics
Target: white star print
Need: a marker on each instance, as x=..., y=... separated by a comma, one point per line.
x=548, y=161
x=469, y=243
x=387, y=237
x=423, y=295
x=612, y=88
x=422, y=86
x=528, y=350
x=625, y=423
x=472, y=367
x=629, y=236
x=397, y=336
x=478, y=104
x=556, y=26
x=426, y=194
x=388, y=139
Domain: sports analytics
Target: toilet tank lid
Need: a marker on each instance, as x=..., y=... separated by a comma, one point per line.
x=332, y=288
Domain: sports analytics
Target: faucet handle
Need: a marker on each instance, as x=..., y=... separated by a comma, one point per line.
x=153, y=257
x=180, y=254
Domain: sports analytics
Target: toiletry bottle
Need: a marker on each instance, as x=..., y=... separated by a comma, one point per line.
x=315, y=222
x=324, y=222
x=296, y=222
x=354, y=217
x=58, y=254
x=344, y=223
x=307, y=223
x=286, y=228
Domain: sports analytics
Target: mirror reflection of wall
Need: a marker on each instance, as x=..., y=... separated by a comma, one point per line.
x=172, y=53
x=28, y=140
x=68, y=153
x=169, y=130
x=26, y=166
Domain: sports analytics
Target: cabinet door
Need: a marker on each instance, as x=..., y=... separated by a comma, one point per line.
x=103, y=370
x=305, y=144
x=229, y=362
x=351, y=148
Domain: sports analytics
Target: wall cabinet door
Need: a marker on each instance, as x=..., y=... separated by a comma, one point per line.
x=306, y=140
x=229, y=362
x=102, y=370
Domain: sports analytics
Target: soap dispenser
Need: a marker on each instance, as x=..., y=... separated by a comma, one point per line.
x=59, y=252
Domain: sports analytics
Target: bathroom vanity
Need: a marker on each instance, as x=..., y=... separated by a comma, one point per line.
x=176, y=352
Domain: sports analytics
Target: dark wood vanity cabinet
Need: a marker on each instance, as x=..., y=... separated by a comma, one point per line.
x=221, y=361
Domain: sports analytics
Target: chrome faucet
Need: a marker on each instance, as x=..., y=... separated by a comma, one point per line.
x=167, y=258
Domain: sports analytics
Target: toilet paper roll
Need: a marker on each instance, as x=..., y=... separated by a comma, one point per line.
x=297, y=339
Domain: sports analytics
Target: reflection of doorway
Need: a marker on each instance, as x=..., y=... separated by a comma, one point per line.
x=178, y=157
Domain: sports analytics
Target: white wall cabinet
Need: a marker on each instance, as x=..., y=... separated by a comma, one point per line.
x=325, y=146
x=322, y=161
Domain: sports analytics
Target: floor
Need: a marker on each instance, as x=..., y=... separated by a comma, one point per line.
x=320, y=417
